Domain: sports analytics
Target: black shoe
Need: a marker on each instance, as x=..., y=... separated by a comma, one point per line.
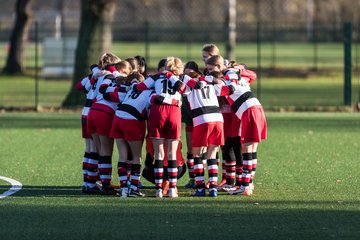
x=84, y=189
x=135, y=193
x=108, y=191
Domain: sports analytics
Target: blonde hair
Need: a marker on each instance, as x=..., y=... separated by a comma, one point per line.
x=174, y=65
x=211, y=49
x=107, y=58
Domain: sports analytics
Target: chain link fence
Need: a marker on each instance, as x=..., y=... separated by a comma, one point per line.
x=280, y=39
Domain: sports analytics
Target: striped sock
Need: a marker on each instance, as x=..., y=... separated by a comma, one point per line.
x=190, y=165
x=224, y=169
x=105, y=170
x=172, y=173
x=238, y=169
x=135, y=175
x=213, y=171
x=199, y=173
x=122, y=173
x=85, y=163
x=158, y=173
x=247, y=167
x=93, y=174
x=230, y=172
x=254, y=164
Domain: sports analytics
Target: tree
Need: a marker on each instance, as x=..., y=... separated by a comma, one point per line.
x=94, y=38
x=230, y=27
x=18, y=37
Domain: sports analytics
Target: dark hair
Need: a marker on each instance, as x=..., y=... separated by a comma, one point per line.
x=216, y=74
x=192, y=65
x=161, y=63
x=142, y=64
x=133, y=62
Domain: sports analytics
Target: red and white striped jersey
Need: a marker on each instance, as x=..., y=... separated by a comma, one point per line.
x=85, y=85
x=164, y=86
x=203, y=103
x=242, y=99
x=103, y=85
x=134, y=105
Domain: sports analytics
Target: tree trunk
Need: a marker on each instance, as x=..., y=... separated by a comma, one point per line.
x=230, y=27
x=14, y=63
x=95, y=38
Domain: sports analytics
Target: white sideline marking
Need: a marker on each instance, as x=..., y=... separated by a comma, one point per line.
x=16, y=186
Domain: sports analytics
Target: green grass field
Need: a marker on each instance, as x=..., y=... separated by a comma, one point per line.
x=306, y=186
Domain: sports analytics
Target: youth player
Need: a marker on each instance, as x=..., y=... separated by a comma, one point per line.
x=165, y=122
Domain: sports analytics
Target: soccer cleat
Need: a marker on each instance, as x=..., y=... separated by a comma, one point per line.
x=227, y=188
x=173, y=193
x=252, y=187
x=124, y=192
x=107, y=191
x=159, y=193
x=199, y=193
x=190, y=184
x=213, y=192
x=98, y=184
x=244, y=191
x=135, y=193
x=84, y=189
x=165, y=187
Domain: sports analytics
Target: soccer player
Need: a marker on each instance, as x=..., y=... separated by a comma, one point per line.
x=165, y=121
x=128, y=129
x=207, y=131
x=100, y=119
x=253, y=122
x=91, y=156
x=191, y=67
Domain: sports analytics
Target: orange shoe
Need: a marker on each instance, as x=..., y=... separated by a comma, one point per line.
x=252, y=187
x=165, y=187
x=223, y=181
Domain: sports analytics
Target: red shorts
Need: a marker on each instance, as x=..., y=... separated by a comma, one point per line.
x=165, y=121
x=85, y=133
x=129, y=130
x=208, y=134
x=100, y=119
x=231, y=125
x=253, y=125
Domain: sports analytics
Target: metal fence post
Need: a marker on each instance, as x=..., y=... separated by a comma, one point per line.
x=347, y=62
x=36, y=38
x=147, y=41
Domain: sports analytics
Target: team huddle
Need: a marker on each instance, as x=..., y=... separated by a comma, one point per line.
x=126, y=105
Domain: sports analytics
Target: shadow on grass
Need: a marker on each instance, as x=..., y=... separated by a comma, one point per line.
x=183, y=218
x=46, y=191
x=54, y=191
